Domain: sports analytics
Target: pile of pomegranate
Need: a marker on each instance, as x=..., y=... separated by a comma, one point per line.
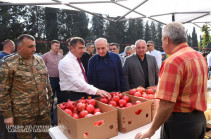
x=118, y=100
x=142, y=92
x=83, y=108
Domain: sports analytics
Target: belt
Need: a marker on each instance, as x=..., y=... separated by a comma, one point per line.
x=193, y=112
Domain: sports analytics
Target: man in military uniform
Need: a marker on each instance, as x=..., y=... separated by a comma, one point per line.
x=25, y=98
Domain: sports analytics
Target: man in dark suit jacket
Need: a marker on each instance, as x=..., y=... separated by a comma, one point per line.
x=140, y=68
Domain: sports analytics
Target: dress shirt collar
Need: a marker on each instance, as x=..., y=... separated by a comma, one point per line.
x=180, y=46
x=71, y=55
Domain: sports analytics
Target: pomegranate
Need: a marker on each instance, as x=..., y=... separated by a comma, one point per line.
x=83, y=113
x=140, y=89
x=82, y=100
x=104, y=100
x=97, y=110
x=126, y=98
x=75, y=110
x=122, y=102
x=90, y=108
x=115, y=98
x=62, y=106
x=113, y=103
x=89, y=115
x=149, y=91
x=97, y=113
x=119, y=94
x=80, y=106
x=70, y=105
x=132, y=91
x=68, y=111
x=92, y=102
x=75, y=115
x=128, y=105
x=138, y=94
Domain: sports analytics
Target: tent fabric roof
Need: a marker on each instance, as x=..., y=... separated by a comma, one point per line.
x=164, y=11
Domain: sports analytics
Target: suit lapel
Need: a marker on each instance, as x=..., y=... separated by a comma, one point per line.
x=148, y=64
x=137, y=61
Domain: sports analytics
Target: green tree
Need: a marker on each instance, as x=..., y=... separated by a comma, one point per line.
x=115, y=32
x=140, y=29
x=51, y=24
x=153, y=32
x=132, y=31
x=147, y=36
x=97, y=27
x=194, y=38
x=189, y=39
x=158, y=40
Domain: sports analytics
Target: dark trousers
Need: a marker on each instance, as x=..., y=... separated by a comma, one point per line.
x=184, y=126
x=71, y=95
x=4, y=134
x=55, y=88
x=56, y=92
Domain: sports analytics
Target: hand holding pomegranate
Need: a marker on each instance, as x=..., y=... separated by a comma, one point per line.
x=103, y=93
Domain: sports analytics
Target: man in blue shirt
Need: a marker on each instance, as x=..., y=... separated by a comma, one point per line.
x=8, y=48
x=105, y=69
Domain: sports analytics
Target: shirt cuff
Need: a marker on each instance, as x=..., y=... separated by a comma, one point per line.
x=93, y=91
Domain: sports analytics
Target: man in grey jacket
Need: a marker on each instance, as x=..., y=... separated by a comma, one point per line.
x=140, y=68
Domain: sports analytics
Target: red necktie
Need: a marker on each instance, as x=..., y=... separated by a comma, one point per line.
x=79, y=61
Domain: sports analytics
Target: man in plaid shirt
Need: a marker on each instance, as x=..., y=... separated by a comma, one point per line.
x=182, y=89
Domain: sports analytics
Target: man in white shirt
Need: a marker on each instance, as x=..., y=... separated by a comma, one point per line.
x=73, y=81
x=209, y=60
x=155, y=53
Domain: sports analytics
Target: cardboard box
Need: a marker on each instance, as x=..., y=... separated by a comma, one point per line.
x=154, y=105
x=128, y=119
x=84, y=128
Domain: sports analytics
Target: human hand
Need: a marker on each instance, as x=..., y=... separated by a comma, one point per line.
x=9, y=121
x=103, y=93
x=145, y=134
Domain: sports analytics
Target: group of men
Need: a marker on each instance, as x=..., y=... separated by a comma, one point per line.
x=27, y=81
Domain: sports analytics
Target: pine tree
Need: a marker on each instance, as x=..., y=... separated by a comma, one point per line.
x=153, y=32
x=97, y=27
x=140, y=29
x=147, y=36
x=51, y=24
x=194, y=38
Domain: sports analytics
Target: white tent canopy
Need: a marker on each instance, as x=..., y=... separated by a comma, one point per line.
x=165, y=11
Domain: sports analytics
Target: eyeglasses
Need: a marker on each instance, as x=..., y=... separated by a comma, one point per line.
x=148, y=45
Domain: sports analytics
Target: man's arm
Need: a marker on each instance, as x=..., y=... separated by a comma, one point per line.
x=121, y=75
x=126, y=70
x=156, y=71
x=90, y=71
x=6, y=79
x=162, y=114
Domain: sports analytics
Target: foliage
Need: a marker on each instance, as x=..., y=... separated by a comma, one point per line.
x=206, y=38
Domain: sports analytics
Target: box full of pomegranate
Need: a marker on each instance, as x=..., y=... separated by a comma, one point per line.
x=133, y=112
x=148, y=93
x=87, y=118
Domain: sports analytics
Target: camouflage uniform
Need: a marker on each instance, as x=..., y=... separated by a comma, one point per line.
x=25, y=93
